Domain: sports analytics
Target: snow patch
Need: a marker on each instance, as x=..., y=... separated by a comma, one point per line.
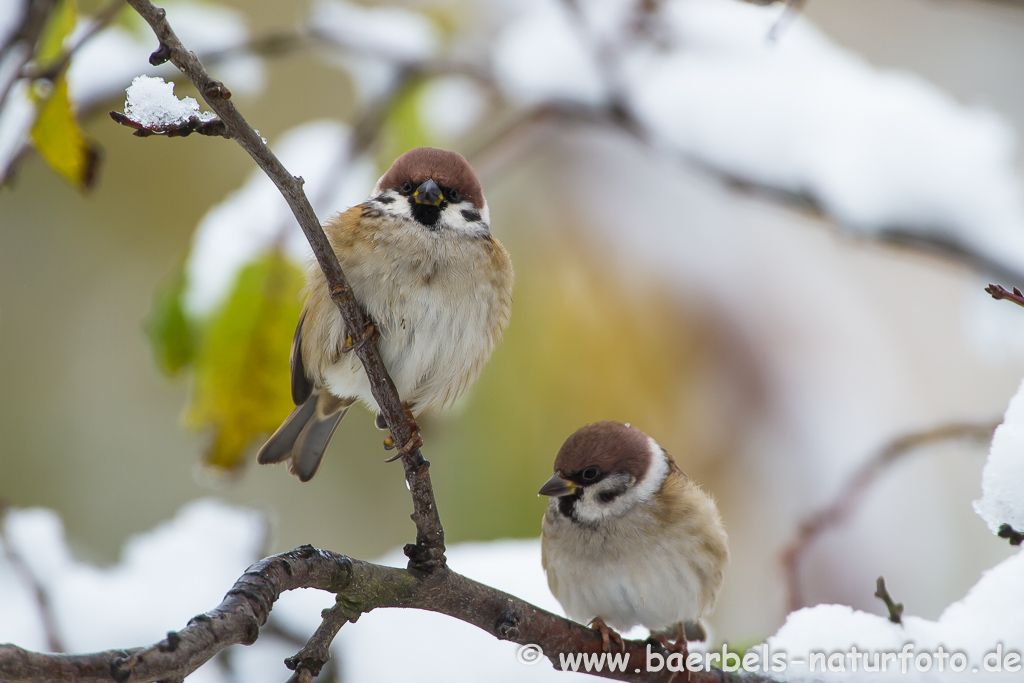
x=1002, y=480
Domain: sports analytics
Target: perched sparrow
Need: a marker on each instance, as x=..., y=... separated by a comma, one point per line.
x=421, y=261
x=628, y=539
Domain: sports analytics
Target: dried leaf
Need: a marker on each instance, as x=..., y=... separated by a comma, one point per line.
x=241, y=387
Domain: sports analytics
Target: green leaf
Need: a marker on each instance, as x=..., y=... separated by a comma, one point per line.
x=168, y=329
x=242, y=387
x=61, y=142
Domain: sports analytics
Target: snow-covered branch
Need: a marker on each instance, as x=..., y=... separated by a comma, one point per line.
x=360, y=587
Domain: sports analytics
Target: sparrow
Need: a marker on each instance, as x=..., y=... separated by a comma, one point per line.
x=628, y=539
x=435, y=284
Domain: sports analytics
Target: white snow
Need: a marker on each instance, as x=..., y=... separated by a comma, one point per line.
x=16, y=119
x=543, y=55
x=10, y=15
x=255, y=217
x=989, y=616
x=877, y=149
x=374, y=42
x=451, y=105
x=184, y=567
x=445, y=649
x=166, y=576
x=388, y=32
x=151, y=102
x=1002, y=480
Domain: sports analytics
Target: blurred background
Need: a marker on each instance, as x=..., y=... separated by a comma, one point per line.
x=774, y=264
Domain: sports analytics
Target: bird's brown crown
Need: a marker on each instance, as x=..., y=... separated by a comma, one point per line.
x=448, y=169
x=610, y=446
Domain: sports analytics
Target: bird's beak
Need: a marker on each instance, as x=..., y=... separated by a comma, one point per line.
x=428, y=193
x=557, y=485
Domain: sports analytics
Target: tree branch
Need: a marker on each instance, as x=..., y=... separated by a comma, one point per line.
x=427, y=583
x=837, y=512
x=428, y=552
x=360, y=587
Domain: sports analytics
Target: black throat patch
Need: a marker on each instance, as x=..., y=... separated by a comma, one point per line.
x=427, y=214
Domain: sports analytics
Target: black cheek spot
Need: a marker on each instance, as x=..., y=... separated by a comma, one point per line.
x=471, y=215
x=384, y=199
x=608, y=496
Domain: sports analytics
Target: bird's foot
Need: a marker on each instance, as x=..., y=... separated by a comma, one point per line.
x=679, y=646
x=415, y=440
x=369, y=334
x=607, y=635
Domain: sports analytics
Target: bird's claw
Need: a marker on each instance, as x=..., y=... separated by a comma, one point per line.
x=369, y=334
x=607, y=635
x=679, y=646
x=415, y=440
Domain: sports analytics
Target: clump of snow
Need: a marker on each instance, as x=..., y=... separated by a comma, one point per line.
x=987, y=618
x=256, y=218
x=1002, y=480
x=151, y=102
x=166, y=576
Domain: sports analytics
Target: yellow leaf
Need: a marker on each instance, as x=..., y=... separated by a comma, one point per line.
x=241, y=387
x=59, y=25
x=58, y=138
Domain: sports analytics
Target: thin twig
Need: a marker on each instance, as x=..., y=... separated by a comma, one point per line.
x=835, y=513
x=895, y=608
x=999, y=292
x=42, y=598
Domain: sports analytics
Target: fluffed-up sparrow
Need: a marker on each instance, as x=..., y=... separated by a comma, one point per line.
x=436, y=285
x=628, y=539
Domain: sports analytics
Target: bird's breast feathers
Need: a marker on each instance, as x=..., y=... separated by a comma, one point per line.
x=440, y=301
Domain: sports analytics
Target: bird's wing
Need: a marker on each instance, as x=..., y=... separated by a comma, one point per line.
x=302, y=386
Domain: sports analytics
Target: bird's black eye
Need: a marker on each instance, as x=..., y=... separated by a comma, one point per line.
x=453, y=195
x=591, y=473
x=406, y=187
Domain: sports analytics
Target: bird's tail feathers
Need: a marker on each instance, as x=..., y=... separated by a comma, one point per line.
x=303, y=437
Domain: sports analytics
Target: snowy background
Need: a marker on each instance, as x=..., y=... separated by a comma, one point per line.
x=737, y=236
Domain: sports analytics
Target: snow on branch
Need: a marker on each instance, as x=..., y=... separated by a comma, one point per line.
x=153, y=109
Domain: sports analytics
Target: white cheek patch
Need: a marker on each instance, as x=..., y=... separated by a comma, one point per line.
x=457, y=217
x=591, y=509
